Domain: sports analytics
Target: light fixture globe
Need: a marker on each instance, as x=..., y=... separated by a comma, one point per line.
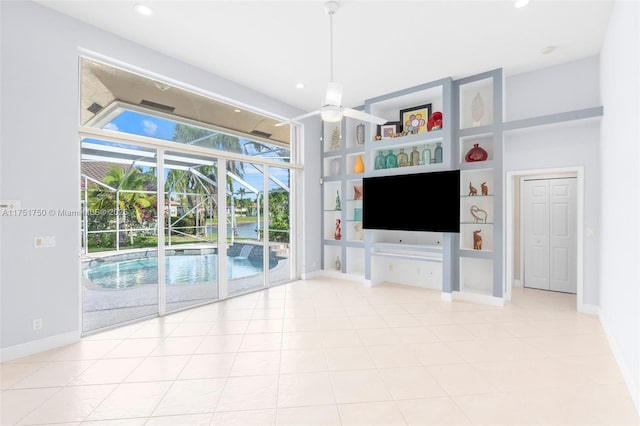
x=331, y=113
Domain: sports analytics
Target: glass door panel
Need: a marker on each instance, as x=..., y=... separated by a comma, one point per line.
x=245, y=253
x=279, y=212
x=191, y=230
x=119, y=224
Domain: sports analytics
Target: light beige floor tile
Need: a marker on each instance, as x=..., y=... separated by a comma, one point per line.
x=178, y=346
x=371, y=414
x=348, y=359
x=432, y=412
x=10, y=374
x=603, y=405
x=388, y=356
x=269, y=313
x=302, y=340
x=192, y=329
x=53, y=374
x=573, y=345
x=497, y=409
x=413, y=334
x=158, y=368
x=70, y=404
x=208, y=366
x=437, y=353
x=83, y=350
x=234, y=315
x=334, y=324
x=229, y=327
x=459, y=379
x=391, y=309
x=139, y=421
x=360, y=310
x=15, y=404
x=488, y=350
x=245, y=418
x=299, y=324
x=410, y=383
x=265, y=326
x=372, y=321
x=326, y=415
x=340, y=338
x=148, y=331
x=359, y=386
x=181, y=420
x=448, y=333
x=107, y=371
x=191, y=397
x=131, y=400
x=130, y=348
x=219, y=344
x=305, y=389
x=379, y=336
x=303, y=361
x=249, y=393
x=256, y=363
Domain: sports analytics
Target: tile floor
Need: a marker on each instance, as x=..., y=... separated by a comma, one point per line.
x=329, y=352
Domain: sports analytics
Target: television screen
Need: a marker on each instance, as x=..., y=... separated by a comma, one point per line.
x=413, y=202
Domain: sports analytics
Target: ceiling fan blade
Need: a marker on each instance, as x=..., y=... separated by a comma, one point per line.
x=300, y=117
x=363, y=116
x=334, y=94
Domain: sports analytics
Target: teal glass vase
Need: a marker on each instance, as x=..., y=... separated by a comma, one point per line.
x=438, y=152
x=426, y=155
x=381, y=162
x=391, y=161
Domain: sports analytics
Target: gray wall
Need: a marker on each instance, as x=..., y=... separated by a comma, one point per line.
x=620, y=161
x=40, y=160
x=574, y=85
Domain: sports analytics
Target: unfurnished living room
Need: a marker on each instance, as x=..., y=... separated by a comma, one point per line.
x=319, y=212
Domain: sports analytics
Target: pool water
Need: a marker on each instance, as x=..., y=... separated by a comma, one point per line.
x=182, y=269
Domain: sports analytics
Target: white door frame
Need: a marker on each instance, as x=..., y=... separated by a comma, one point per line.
x=578, y=172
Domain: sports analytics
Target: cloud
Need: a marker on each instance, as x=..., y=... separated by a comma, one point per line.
x=149, y=127
x=111, y=126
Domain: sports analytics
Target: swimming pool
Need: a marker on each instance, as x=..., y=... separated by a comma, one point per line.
x=179, y=269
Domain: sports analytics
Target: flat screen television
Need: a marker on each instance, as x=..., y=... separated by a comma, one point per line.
x=412, y=202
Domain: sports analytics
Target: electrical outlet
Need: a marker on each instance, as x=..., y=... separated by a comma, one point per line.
x=37, y=324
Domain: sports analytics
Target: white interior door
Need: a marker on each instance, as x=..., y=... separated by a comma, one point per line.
x=549, y=215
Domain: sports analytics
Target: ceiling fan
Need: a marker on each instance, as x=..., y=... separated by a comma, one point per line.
x=332, y=109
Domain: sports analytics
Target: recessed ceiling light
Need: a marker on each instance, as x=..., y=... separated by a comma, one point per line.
x=237, y=110
x=521, y=3
x=143, y=9
x=300, y=86
x=548, y=49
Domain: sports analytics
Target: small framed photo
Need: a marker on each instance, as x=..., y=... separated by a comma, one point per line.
x=414, y=119
x=389, y=130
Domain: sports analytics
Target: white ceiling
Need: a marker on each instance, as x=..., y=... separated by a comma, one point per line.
x=379, y=46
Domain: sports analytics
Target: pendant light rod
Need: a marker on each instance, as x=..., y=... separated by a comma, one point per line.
x=331, y=7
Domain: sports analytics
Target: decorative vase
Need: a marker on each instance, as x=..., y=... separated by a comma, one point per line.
x=357, y=192
x=334, y=168
x=438, y=152
x=477, y=109
x=476, y=154
x=338, y=232
x=380, y=161
x=391, y=161
x=415, y=157
x=338, y=204
x=358, y=167
x=403, y=158
x=360, y=134
x=426, y=155
x=338, y=264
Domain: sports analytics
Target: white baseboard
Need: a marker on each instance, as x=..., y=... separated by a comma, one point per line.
x=446, y=297
x=477, y=298
x=632, y=386
x=311, y=275
x=36, y=346
x=586, y=308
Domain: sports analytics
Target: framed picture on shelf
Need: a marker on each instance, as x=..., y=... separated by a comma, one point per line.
x=389, y=130
x=414, y=119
